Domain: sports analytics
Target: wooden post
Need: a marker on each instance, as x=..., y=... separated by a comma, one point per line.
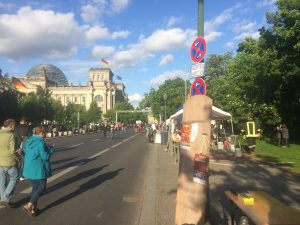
x=192, y=196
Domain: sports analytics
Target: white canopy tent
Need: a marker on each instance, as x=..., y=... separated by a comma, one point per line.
x=217, y=114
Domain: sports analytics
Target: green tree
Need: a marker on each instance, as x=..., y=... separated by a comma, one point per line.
x=9, y=107
x=32, y=108
x=94, y=113
x=73, y=113
x=283, y=39
x=173, y=90
x=58, y=111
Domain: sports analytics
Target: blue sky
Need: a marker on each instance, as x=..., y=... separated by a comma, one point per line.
x=145, y=41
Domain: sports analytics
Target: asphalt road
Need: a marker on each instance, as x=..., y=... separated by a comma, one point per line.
x=95, y=181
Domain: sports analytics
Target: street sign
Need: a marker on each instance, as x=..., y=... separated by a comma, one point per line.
x=198, y=87
x=198, y=49
x=197, y=70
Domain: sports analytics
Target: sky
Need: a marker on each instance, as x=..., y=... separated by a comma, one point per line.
x=145, y=41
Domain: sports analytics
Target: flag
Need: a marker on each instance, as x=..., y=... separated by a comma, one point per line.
x=119, y=78
x=104, y=62
x=18, y=84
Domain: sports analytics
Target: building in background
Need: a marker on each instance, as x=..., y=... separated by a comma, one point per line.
x=100, y=86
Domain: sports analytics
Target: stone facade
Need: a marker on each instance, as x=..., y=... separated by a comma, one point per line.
x=100, y=88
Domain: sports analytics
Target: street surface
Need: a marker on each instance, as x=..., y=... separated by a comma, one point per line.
x=95, y=181
x=127, y=181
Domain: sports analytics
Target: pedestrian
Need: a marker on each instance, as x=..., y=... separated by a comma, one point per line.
x=8, y=162
x=22, y=133
x=285, y=135
x=104, y=129
x=37, y=167
x=279, y=134
x=252, y=132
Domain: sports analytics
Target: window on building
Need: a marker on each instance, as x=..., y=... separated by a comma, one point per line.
x=59, y=99
x=98, y=98
x=75, y=99
x=83, y=99
x=67, y=99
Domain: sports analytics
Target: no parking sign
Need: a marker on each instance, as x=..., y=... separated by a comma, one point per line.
x=198, y=49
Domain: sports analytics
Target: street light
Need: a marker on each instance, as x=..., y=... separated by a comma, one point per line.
x=165, y=98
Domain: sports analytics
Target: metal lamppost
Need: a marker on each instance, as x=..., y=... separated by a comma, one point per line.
x=165, y=98
x=201, y=18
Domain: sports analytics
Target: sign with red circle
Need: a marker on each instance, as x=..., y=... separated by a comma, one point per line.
x=198, y=49
x=198, y=87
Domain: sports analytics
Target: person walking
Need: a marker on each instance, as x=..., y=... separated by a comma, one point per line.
x=285, y=135
x=8, y=162
x=37, y=167
x=22, y=133
x=279, y=135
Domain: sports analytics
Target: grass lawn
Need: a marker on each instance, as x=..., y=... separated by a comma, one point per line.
x=286, y=156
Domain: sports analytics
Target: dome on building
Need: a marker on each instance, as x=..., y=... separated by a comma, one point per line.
x=52, y=73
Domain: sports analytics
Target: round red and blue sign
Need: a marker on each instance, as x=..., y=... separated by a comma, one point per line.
x=198, y=50
x=198, y=87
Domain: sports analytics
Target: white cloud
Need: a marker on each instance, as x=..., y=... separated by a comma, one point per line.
x=96, y=9
x=212, y=36
x=168, y=40
x=135, y=98
x=173, y=20
x=212, y=25
x=265, y=3
x=100, y=32
x=90, y=13
x=229, y=45
x=37, y=33
x=245, y=26
x=255, y=35
x=145, y=48
x=119, y=5
x=101, y=51
x=160, y=79
x=166, y=59
x=97, y=32
x=120, y=34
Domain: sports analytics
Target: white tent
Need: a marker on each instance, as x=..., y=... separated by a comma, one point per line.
x=217, y=114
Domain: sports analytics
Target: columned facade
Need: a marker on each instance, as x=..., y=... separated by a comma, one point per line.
x=100, y=87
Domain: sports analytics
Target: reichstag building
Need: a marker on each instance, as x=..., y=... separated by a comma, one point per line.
x=100, y=86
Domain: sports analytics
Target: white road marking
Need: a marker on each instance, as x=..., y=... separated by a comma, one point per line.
x=76, y=145
x=65, y=171
x=96, y=139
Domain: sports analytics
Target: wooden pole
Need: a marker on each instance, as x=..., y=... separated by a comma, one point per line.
x=192, y=196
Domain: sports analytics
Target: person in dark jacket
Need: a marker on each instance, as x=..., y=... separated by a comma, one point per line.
x=37, y=167
x=22, y=133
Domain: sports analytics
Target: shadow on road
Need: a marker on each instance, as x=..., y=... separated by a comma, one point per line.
x=92, y=183
x=74, y=163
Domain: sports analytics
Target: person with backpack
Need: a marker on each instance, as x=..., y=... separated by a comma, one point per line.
x=22, y=133
x=37, y=167
x=8, y=162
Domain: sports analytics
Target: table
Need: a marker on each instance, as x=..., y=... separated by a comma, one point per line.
x=265, y=210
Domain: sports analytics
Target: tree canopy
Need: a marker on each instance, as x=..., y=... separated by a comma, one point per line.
x=169, y=94
x=262, y=80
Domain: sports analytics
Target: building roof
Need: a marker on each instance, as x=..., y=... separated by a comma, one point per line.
x=53, y=73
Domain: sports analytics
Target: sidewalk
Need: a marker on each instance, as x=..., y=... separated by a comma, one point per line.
x=161, y=185
x=241, y=174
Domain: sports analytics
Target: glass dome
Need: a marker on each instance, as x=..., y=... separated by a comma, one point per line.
x=52, y=72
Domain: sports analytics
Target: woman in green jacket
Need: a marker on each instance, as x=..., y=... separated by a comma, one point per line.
x=37, y=167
